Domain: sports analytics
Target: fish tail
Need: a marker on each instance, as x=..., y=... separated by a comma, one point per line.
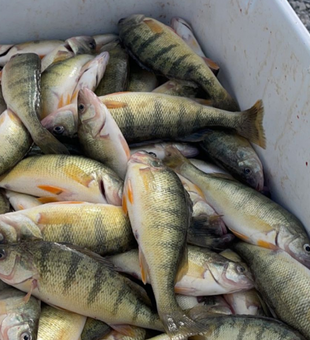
x=178, y=325
x=251, y=124
x=49, y=144
x=173, y=157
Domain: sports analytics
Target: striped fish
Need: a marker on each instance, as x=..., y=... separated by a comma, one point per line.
x=102, y=228
x=21, y=91
x=144, y=116
x=82, y=283
x=162, y=50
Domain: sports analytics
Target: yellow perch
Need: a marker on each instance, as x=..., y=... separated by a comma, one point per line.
x=64, y=178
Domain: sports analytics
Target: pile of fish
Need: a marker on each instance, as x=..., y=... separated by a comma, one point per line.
x=109, y=227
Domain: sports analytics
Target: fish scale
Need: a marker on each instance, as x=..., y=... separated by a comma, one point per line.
x=78, y=283
x=161, y=50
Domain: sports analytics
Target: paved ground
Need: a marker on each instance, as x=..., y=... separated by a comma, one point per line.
x=302, y=8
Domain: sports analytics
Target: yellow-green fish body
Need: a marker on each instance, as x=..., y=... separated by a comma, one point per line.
x=15, y=140
x=283, y=283
x=21, y=79
x=94, y=330
x=69, y=279
x=64, y=178
x=99, y=135
x=140, y=80
x=147, y=115
x=101, y=228
x=161, y=49
x=248, y=214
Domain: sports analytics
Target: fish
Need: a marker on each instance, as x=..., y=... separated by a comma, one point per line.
x=250, y=215
x=21, y=79
x=64, y=178
x=99, y=135
x=64, y=120
x=184, y=30
x=83, y=44
x=208, y=272
x=212, y=304
x=101, y=228
x=140, y=80
x=104, y=39
x=235, y=154
x=18, y=318
x=59, y=81
x=163, y=114
x=247, y=303
x=116, y=74
x=59, y=53
x=94, y=330
x=21, y=201
x=4, y=203
x=163, y=51
x=187, y=150
x=39, y=47
x=137, y=334
x=208, y=167
x=60, y=324
x=3, y=106
x=176, y=87
x=78, y=281
x=282, y=282
x=15, y=140
x=160, y=232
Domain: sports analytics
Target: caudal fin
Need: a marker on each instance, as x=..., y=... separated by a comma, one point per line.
x=49, y=144
x=251, y=124
x=180, y=326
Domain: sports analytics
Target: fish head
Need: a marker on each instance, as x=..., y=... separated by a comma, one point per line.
x=16, y=265
x=62, y=122
x=186, y=149
x=92, y=113
x=238, y=275
x=145, y=160
x=15, y=227
x=299, y=248
x=250, y=169
x=131, y=21
x=82, y=44
x=22, y=328
x=111, y=187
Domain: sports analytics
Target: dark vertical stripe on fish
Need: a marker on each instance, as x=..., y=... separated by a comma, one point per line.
x=176, y=64
x=162, y=51
x=75, y=259
x=242, y=331
x=146, y=43
x=97, y=285
x=44, y=258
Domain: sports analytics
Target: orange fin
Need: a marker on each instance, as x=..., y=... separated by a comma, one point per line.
x=201, y=101
x=153, y=25
x=144, y=267
x=124, y=329
x=47, y=199
x=113, y=104
x=51, y=189
x=211, y=64
x=78, y=175
x=124, y=145
x=61, y=102
x=33, y=286
x=75, y=93
x=183, y=290
x=266, y=244
x=129, y=191
x=183, y=264
x=241, y=236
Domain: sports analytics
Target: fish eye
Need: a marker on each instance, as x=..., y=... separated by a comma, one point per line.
x=58, y=130
x=152, y=154
x=307, y=248
x=246, y=171
x=92, y=45
x=240, y=269
x=81, y=107
x=25, y=336
x=2, y=254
